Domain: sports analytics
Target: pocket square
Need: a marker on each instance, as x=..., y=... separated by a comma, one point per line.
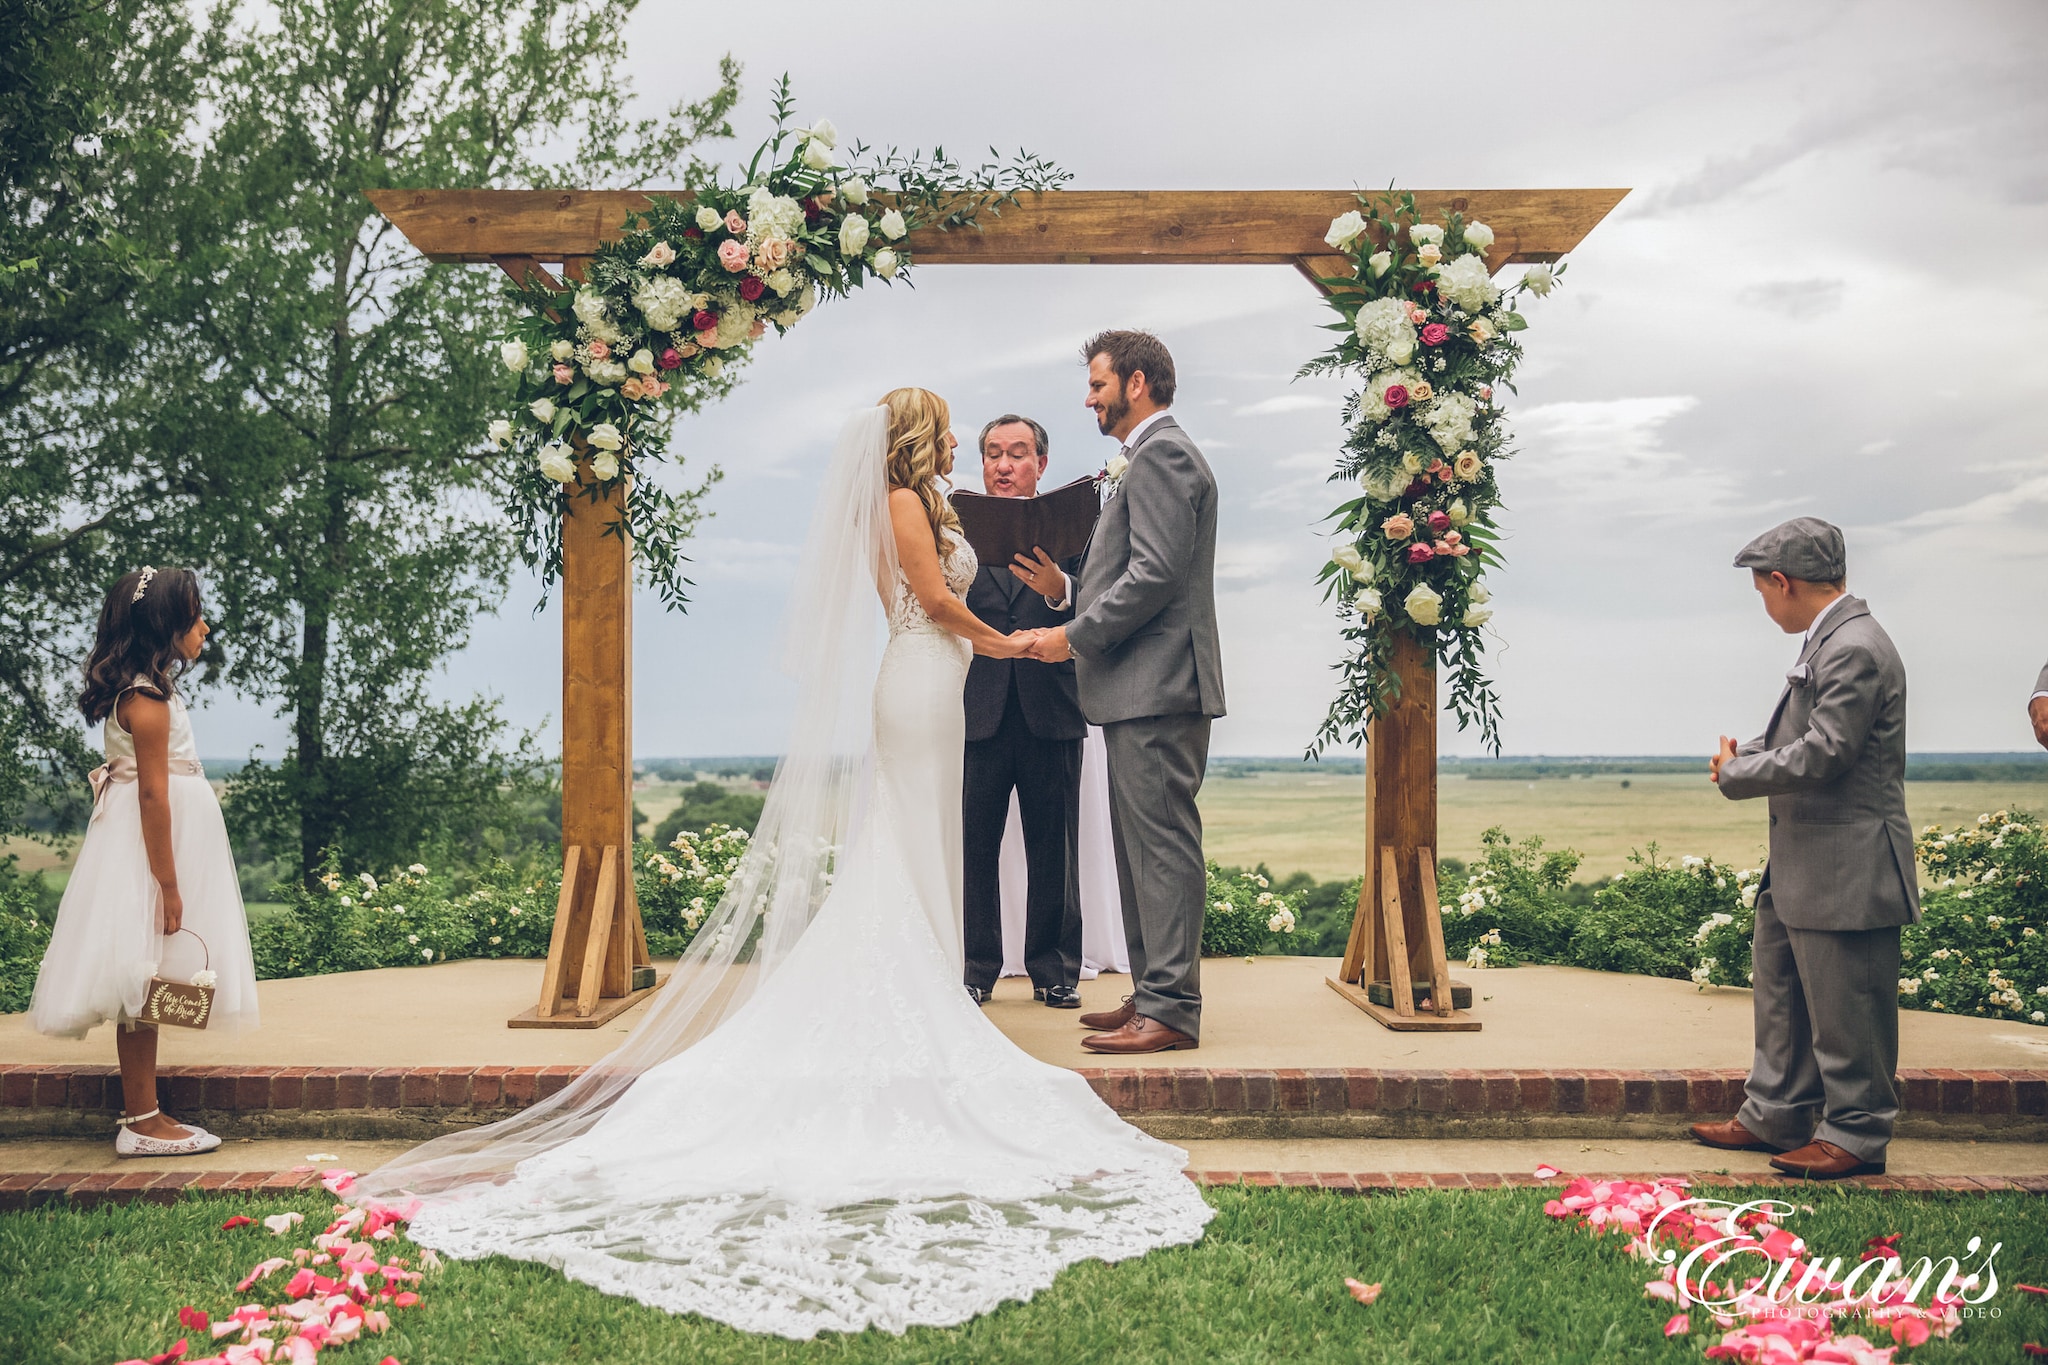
x=1800, y=676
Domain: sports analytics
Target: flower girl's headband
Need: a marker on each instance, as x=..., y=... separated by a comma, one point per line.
x=148, y=572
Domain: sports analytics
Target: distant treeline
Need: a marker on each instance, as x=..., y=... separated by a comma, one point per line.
x=1929, y=767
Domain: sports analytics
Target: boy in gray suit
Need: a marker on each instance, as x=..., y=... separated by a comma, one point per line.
x=1840, y=880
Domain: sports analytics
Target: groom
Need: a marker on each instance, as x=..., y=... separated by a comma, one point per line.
x=1151, y=675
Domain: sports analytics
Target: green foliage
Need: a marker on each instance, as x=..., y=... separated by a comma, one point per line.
x=680, y=881
x=1981, y=946
x=337, y=923
x=26, y=913
x=706, y=804
x=1656, y=920
x=1246, y=916
x=1512, y=908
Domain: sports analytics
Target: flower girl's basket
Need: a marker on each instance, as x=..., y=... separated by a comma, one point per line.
x=182, y=1004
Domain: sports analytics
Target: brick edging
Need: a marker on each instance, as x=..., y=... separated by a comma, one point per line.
x=1976, y=1094
x=90, y=1189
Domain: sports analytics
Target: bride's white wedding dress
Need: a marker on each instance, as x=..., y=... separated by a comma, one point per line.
x=856, y=1144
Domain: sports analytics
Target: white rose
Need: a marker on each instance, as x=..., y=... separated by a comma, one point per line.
x=558, y=463
x=605, y=465
x=817, y=156
x=708, y=218
x=1381, y=262
x=1538, y=279
x=205, y=980
x=1368, y=601
x=543, y=410
x=823, y=131
x=1466, y=283
x=892, y=225
x=781, y=281
x=1459, y=515
x=1423, y=234
x=1477, y=616
x=1424, y=606
x=1349, y=559
x=1116, y=466
x=605, y=436
x=885, y=263
x=854, y=191
x=642, y=361
x=712, y=367
x=853, y=235
x=1345, y=229
x=658, y=255
x=1478, y=236
x=500, y=433
x=513, y=353
x=1478, y=593
x=563, y=350
x=1411, y=464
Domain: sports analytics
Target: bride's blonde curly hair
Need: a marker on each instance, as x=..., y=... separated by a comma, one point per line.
x=918, y=422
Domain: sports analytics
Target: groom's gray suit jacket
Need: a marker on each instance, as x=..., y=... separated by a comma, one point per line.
x=1144, y=627
x=1833, y=763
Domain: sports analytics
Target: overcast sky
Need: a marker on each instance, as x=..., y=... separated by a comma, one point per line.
x=1824, y=295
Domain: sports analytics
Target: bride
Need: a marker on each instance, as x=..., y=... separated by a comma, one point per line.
x=814, y=1128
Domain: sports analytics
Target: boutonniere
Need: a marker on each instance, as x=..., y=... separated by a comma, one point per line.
x=1800, y=676
x=1112, y=476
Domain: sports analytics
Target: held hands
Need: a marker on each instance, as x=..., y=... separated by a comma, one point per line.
x=1040, y=574
x=1714, y=764
x=1050, y=646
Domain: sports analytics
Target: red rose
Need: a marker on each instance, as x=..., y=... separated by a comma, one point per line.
x=1439, y=523
x=1419, y=553
x=751, y=287
x=1417, y=488
x=812, y=210
x=704, y=321
x=692, y=232
x=1397, y=395
x=1434, y=334
x=670, y=359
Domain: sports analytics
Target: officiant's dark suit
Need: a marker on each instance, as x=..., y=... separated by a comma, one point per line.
x=1024, y=733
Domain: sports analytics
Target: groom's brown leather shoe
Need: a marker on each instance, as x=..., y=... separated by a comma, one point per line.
x=1731, y=1136
x=1140, y=1035
x=1819, y=1160
x=1109, y=1021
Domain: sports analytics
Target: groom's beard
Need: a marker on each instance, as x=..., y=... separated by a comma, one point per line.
x=1112, y=413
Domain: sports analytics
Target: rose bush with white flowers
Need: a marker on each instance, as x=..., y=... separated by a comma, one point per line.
x=665, y=313
x=1431, y=338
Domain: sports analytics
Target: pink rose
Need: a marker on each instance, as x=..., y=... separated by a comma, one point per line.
x=1451, y=537
x=734, y=223
x=565, y=374
x=600, y=351
x=1397, y=395
x=1418, y=315
x=1435, y=334
x=660, y=254
x=708, y=339
x=1441, y=547
x=1439, y=523
x=1486, y=393
x=755, y=332
x=1399, y=526
x=774, y=252
x=732, y=255
x=751, y=287
x=1418, y=553
x=670, y=359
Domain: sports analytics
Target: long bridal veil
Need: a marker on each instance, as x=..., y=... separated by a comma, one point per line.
x=832, y=642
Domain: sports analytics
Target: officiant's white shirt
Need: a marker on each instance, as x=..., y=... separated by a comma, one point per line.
x=1130, y=441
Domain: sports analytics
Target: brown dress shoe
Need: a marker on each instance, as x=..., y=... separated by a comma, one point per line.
x=1108, y=1021
x=1732, y=1136
x=1140, y=1035
x=1819, y=1160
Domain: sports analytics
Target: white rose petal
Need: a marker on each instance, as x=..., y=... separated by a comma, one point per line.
x=1368, y=601
x=1345, y=229
x=1425, y=234
x=817, y=156
x=1349, y=559
x=563, y=350
x=892, y=225
x=1116, y=466
x=1478, y=236
x=823, y=131
x=709, y=219
x=513, y=353
x=642, y=361
x=1459, y=514
x=1478, y=593
x=781, y=281
x=543, y=410
x=558, y=463
x=854, y=191
x=853, y=236
x=1381, y=262
x=1476, y=616
x=605, y=436
x=1424, y=606
x=605, y=465
x=885, y=263
x=500, y=433
x=1538, y=279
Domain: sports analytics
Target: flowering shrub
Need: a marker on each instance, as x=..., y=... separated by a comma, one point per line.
x=681, y=883
x=1246, y=915
x=681, y=296
x=355, y=923
x=1430, y=337
x=1689, y=919
x=24, y=935
x=1512, y=908
x=1981, y=946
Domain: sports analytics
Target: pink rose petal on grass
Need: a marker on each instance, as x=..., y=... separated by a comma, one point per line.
x=1547, y=1172
x=262, y=1269
x=238, y=1221
x=1364, y=1293
x=1679, y=1325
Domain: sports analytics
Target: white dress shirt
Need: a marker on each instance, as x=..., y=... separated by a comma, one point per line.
x=1833, y=602
x=1130, y=443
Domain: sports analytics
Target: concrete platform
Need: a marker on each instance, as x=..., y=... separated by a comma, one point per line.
x=1269, y=1013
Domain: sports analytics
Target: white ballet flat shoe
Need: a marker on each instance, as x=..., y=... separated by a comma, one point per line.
x=128, y=1142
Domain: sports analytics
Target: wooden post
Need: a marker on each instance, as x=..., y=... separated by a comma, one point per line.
x=598, y=938
x=1400, y=818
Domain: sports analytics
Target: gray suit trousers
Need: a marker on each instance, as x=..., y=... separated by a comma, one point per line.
x=1155, y=769
x=1827, y=1036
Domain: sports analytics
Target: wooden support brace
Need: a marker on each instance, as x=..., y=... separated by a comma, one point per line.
x=1397, y=934
x=1433, y=934
x=558, y=942
x=604, y=910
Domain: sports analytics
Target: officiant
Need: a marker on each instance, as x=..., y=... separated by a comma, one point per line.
x=1024, y=734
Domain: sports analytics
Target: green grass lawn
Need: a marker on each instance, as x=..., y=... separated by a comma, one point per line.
x=1470, y=1276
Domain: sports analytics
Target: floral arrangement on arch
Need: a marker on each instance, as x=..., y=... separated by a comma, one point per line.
x=1432, y=338
x=664, y=314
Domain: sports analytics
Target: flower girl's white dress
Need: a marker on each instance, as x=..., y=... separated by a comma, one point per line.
x=106, y=945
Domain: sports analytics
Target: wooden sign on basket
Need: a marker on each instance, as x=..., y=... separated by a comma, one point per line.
x=181, y=1004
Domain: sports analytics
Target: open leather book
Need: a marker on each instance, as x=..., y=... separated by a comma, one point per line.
x=1059, y=522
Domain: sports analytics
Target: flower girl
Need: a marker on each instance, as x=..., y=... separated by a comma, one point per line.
x=153, y=891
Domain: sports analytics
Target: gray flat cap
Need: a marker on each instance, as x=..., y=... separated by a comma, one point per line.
x=1804, y=547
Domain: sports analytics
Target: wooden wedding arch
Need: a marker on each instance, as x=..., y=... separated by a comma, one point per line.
x=597, y=963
